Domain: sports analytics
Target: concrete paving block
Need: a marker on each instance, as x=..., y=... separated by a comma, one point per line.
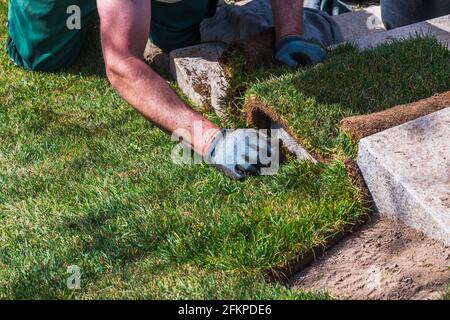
x=407, y=170
x=199, y=74
x=357, y=24
x=438, y=28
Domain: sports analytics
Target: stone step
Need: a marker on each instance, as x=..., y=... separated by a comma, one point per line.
x=439, y=28
x=199, y=74
x=407, y=170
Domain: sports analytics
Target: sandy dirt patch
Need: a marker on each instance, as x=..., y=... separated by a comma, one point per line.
x=384, y=260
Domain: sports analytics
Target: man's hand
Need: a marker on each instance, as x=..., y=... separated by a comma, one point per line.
x=239, y=152
x=294, y=51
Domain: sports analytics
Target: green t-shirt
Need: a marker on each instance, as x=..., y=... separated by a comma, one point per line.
x=41, y=40
x=176, y=25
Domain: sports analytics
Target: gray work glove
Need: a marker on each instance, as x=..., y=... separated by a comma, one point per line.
x=240, y=152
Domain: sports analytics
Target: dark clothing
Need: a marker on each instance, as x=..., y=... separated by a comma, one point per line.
x=398, y=13
x=40, y=39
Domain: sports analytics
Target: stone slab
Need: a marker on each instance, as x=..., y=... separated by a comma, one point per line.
x=438, y=28
x=199, y=74
x=407, y=170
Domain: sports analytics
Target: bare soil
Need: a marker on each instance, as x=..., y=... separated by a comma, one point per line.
x=366, y=125
x=384, y=260
x=257, y=51
x=154, y=56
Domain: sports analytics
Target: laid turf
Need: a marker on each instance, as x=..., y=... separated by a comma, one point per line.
x=85, y=181
x=313, y=101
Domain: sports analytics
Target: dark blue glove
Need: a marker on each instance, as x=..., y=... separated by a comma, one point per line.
x=239, y=152
x=294, y=51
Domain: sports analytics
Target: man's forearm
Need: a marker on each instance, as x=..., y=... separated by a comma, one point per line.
x=151, y=96
x=288, y=15
x=124, y=32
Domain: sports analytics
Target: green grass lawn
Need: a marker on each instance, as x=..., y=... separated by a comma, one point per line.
x=86, y=181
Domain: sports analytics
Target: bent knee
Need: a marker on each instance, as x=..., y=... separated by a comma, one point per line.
x=35, y=58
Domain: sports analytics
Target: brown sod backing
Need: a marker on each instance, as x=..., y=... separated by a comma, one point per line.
x=365, y=125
